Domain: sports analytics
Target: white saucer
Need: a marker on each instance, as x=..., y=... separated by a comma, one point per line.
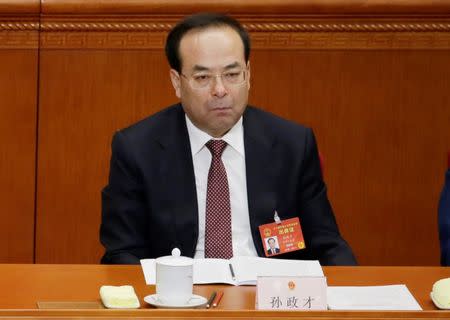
x=194, y=302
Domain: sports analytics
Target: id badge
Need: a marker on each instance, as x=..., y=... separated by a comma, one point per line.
x=282, y=236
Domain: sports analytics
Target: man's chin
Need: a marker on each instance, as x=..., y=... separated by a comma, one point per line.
x=222, y=127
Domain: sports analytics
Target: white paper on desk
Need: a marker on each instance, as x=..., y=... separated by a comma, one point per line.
x=148, y=267
x=246, y=269
x=393, y=297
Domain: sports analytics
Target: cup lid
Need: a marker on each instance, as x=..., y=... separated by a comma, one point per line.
x=175, y=260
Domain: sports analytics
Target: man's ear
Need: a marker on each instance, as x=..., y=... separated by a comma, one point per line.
x=176, y=82
x=248, y=74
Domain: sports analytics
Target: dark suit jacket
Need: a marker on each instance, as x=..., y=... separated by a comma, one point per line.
x=150, y=204
x=277, y=250
x=444, y=220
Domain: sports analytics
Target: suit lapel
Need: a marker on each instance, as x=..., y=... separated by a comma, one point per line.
x=179, y=186
x=261, y=167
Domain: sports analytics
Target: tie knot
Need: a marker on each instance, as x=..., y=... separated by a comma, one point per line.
x=216, y=147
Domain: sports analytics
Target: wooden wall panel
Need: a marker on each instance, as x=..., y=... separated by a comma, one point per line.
x=382, y=122
x=18, y=91
x=371, y=79
x=84, y=97
x=252, y=7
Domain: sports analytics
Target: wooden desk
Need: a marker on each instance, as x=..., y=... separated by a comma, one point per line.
x=23, y=285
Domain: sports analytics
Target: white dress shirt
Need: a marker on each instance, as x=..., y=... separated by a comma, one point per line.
x=233, y=158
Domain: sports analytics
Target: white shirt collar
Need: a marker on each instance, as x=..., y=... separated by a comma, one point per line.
x=234, y=137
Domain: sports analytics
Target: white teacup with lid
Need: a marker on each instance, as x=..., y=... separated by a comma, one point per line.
x=174, y=278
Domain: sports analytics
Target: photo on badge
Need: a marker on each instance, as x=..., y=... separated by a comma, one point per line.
x=272, y=245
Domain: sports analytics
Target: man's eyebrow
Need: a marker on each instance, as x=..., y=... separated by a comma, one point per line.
x=200, y=68
x=232, y=65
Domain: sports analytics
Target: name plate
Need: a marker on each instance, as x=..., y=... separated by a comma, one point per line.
x=291, y=293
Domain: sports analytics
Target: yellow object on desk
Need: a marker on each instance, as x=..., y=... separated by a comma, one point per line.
x=441, y=293
x=119, y=297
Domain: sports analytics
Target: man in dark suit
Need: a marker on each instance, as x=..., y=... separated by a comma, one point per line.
x=273, y=249
x=160, y=194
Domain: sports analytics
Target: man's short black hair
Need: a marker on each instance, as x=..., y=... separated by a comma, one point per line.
x=268, y=240
x=201, y=21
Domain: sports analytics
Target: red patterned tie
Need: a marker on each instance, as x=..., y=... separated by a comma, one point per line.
x=218, y=241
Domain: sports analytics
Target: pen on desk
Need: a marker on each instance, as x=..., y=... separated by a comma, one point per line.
x=233, y=276
x=217, y=299
x=210, y=300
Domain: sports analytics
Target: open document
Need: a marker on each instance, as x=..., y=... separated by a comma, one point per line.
x=245, y=269
x=394, y=297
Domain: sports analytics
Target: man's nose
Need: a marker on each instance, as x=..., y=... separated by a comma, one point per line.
x=218, y=88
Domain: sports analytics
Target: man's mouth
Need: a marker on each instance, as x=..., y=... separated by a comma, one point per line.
x=220, y=107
